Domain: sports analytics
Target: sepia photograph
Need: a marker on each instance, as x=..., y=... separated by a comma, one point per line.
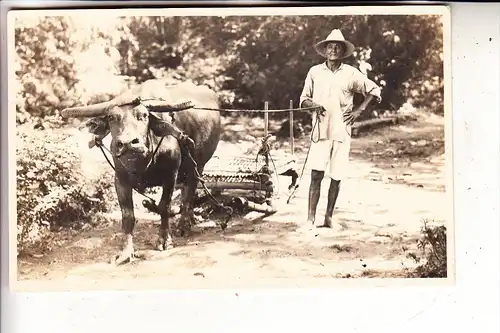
x=248, y=147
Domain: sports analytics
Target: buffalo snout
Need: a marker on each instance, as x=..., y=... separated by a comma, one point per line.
x=134, y=145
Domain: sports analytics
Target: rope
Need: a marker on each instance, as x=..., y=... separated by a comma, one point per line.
x=227, y=209
x=189, y=105
x=312, y=131
x=153, y=205
x=154, y=153
x=100, y=145
x=276, y=174
x=305, y=162
x=265, y=151
x=256, y=110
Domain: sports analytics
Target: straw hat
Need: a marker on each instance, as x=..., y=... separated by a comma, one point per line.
x=335, y=36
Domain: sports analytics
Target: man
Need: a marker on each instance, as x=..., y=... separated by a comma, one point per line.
x=330, y=87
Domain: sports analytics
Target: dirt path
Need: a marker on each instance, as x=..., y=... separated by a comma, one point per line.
x=380, y=210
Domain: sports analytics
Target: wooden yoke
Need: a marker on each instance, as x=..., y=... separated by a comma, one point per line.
x=164, y=126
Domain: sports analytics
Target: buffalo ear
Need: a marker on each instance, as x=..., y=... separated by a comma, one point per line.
x=156, y=124
x=98, y=125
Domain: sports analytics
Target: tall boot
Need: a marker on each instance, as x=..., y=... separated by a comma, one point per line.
x=314, y=194
x=333, y=193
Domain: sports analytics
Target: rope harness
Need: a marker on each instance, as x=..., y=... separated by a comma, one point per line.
x=187, y=145
x=150, y=204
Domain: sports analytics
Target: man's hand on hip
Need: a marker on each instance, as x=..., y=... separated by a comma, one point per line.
x=351, y=116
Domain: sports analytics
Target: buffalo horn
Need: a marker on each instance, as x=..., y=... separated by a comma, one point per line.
x=98, y=109
x=87, y=111
x=162, y=106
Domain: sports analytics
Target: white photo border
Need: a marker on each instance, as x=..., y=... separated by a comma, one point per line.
x=472, y=303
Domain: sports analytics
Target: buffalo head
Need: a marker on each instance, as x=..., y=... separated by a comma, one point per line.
x=131, y=123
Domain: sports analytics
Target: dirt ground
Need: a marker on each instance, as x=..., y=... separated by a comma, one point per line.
x=397, y=179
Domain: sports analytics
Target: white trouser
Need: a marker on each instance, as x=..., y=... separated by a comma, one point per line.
x=329, y=156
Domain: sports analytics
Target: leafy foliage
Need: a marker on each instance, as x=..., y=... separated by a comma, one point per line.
x=432, y=244
x=58, y=66
x=173, y=48
x=51, y=191
x=266, y=58
x=44, y=67
x=246, y=59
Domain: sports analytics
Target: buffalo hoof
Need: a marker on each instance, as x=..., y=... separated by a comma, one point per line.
x=164, y=244
x=127, y=255
x=124, y=257
x=185, y=223
x=185, y=231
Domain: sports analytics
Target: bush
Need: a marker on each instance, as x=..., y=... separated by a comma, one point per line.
x=52, y=192
x=432, y=244
x=61, y=63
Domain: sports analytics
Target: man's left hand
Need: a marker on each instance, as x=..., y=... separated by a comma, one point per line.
x=350, y=117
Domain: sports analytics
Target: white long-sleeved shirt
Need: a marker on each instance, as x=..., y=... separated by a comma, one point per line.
x=334, y=90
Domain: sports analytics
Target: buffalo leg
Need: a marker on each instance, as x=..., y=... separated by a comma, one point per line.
x=124, y=194
x=165, y=240
x=188, y=198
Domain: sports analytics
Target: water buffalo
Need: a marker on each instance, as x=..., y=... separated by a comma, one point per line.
x=137, y=126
